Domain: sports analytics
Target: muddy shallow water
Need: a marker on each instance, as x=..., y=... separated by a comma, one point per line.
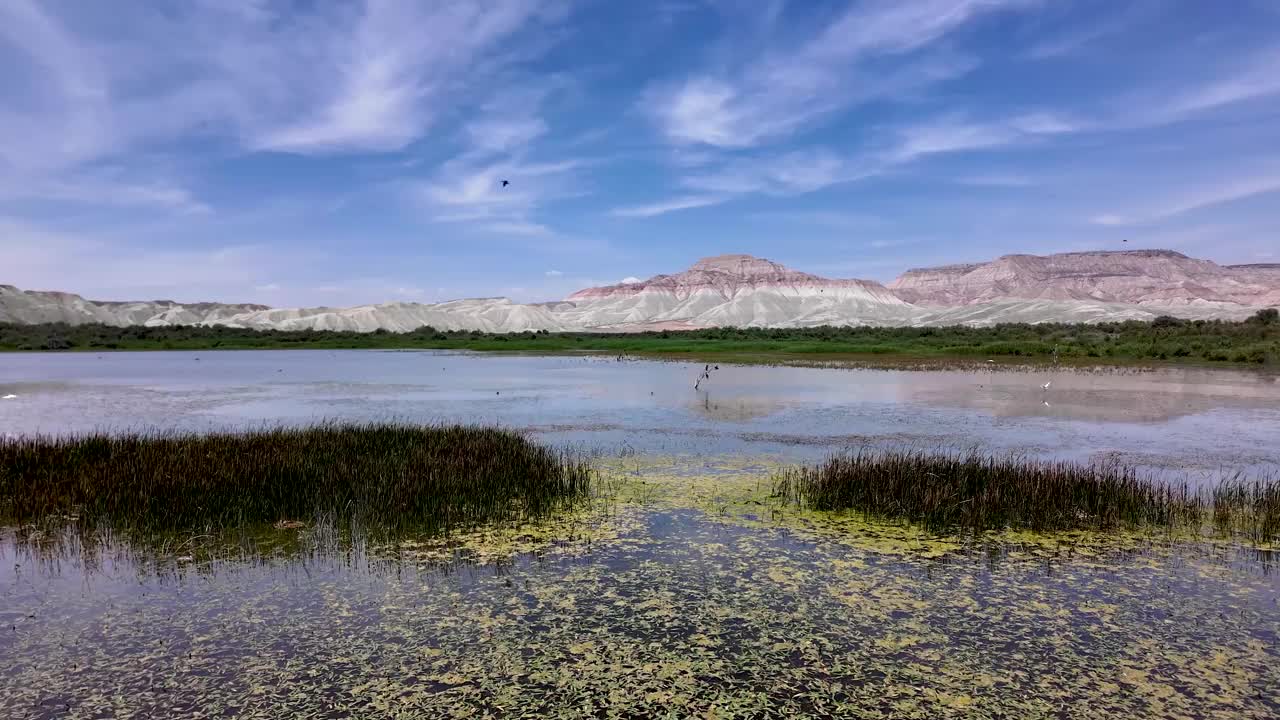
x=686, y=601
x=682, y=589
x=1197, y=421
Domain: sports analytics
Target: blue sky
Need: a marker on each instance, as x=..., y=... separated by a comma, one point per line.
x=332, y=153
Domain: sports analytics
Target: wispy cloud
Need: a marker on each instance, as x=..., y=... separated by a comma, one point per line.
x=825, y=218
x=461, y=191
x=1233, y=82
x=1227, y=191
x=365, y=76
x=105, y=192
x=1083, y=36
x=686, y=202
x=392, y=68
x=553, y=273
x=787, y=87
x=40, y=259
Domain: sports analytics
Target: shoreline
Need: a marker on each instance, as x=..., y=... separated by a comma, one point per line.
x=819, y=360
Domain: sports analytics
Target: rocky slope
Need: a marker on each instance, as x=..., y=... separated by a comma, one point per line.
x=1134, y=277
x=744, y=291
x=35, y=306
x=740, y=291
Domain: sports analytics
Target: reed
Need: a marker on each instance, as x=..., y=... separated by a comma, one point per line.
x=1248, y=506
x=387, y=475
x=969, y=491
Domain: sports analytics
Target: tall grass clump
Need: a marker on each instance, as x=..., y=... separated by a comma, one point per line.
x=969, y=491
x=1248, y=506
x=380, y=475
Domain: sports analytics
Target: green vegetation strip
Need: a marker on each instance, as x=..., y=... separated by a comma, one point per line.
x=1167, y=339
x=943, y=491
x=384, y=475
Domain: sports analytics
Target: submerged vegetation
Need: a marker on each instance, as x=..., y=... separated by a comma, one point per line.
x=974, y=492
x=1166, y=339
x=656, y=610
x=383, y=475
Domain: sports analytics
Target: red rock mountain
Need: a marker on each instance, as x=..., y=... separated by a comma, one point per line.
x=1135, y=277
x=746, y=291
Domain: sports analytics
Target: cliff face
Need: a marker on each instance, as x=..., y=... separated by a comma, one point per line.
x=38, y=306
x=1134, y=277
x=732, y=275
x=737, y=290
x=746, y=291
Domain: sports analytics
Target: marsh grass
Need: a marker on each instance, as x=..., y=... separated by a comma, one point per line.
x=1249, y=506
x=969, y=491
x=376, y=475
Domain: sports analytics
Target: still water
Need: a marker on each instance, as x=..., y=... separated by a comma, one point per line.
x=683, y=590
x=1187, y=421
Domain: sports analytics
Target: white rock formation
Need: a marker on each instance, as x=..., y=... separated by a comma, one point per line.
x=744, y=291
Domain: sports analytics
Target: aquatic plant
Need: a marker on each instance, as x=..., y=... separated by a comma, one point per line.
x=1248, y=506
x=944, y=491
x=382, y=475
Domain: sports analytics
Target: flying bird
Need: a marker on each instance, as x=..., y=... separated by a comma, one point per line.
x=1046, y=385
x=505, y=183
x=1125, y=240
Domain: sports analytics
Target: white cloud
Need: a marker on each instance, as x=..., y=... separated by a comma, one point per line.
x=630, y=279
x=1218, y=193
x=553, y=273
x=463, y=191
x=661, y=208
x=518, y=227
x=773, y=93
x=1229, y=83
x=371, y=75
x=1074, y=39
x=1255, y=79
x=1110, y=220
x=789, y=173
x=105, y=190
x=391, y=69
x=39, y=259
x=503, y=134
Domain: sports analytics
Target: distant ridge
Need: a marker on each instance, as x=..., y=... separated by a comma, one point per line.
x=746, y=291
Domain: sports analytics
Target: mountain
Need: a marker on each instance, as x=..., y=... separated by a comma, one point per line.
x=746, y=291
x=1137, y=277
x=35, y=306
x=739, y=291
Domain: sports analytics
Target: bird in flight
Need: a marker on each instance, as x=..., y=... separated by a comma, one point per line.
x=505, y=183
x=1046, y=385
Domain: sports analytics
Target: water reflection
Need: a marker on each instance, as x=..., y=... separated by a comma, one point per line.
x=1175, y=418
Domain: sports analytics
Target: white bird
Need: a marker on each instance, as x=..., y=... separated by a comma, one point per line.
x=1046, y=385
x=10, y=396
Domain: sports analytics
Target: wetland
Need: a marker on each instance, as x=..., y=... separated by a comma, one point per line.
x=716, y=564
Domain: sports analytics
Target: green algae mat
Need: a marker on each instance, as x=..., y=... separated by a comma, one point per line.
x=681, y=590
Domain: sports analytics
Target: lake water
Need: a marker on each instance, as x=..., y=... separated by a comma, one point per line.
x=1184, y=421
x=684, y=589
